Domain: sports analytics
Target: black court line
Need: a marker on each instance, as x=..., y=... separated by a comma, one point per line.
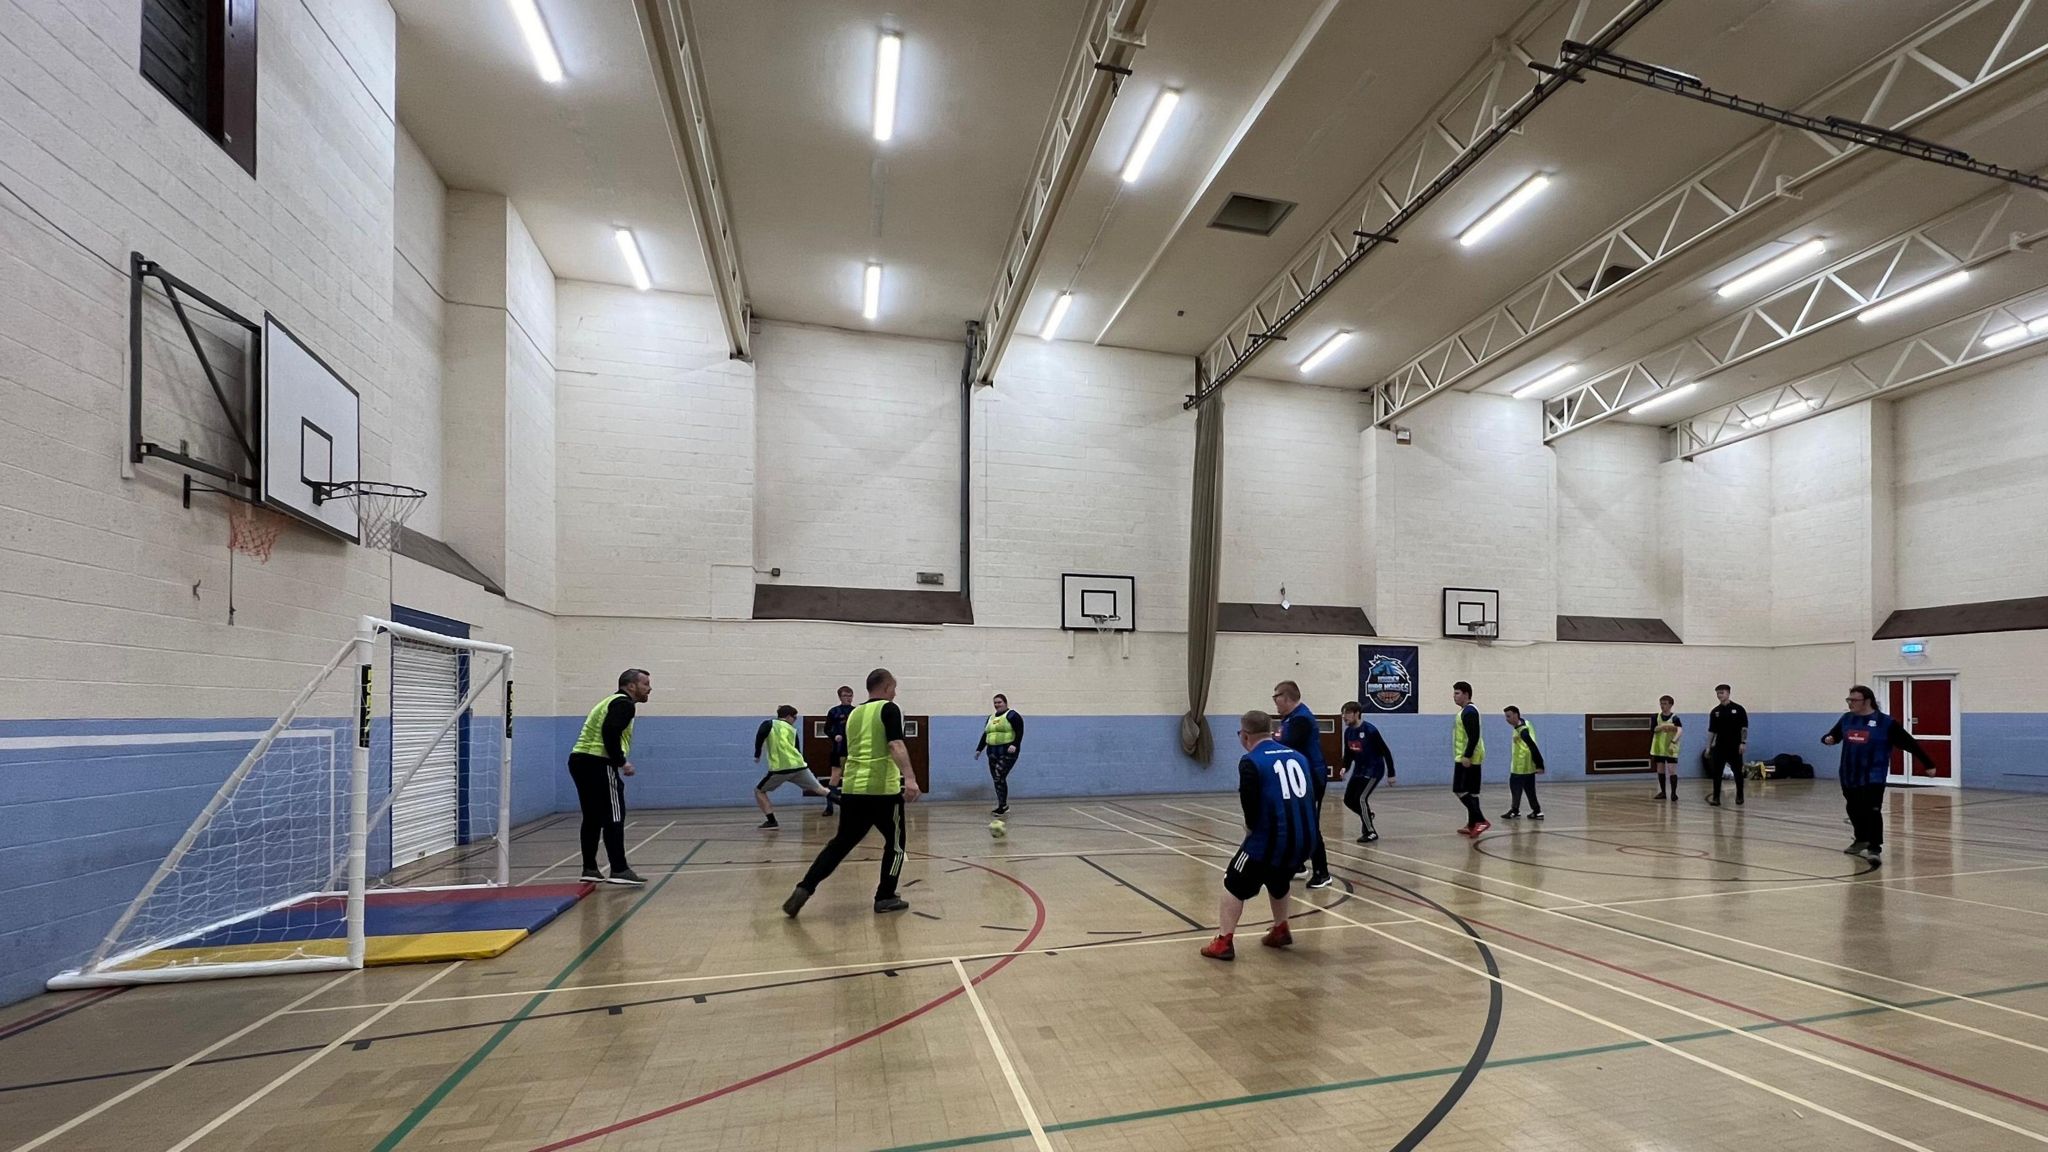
x=926, y=915
x=1183, y=917
x=1004, y=928
x=36, y=1020
x=364, y=1042
x=1482, y=1048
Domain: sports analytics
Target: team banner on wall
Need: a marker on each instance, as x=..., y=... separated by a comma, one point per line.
x=1388, y=676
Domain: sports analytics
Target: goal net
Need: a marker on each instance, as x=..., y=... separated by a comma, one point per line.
x=332, y=812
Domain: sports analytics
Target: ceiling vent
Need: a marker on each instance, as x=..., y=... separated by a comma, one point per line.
x=1254, y=214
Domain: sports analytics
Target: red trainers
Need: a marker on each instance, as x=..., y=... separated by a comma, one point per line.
x=1278, y=936
x=1481, y=827
x=1467, y=831
x=1220, y=948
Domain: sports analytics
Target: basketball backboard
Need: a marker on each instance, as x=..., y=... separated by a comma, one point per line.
x=1099, y=602
x=312, y=425
x=1472, y=613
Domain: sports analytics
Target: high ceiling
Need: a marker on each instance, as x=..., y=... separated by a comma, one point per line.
x=1292, y=100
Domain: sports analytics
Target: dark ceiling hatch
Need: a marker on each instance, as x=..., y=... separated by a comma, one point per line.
x=1254, y=214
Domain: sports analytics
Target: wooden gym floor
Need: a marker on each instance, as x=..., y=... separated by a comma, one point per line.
x=1626, y=975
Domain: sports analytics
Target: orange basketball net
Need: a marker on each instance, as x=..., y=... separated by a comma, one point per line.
x=253, y=530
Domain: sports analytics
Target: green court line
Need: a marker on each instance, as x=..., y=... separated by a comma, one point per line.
x=456, y=1077
x=1429, y=1073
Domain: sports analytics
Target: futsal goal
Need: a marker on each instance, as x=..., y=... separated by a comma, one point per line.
x=276, y=872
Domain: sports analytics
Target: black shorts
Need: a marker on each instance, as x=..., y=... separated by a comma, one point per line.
x=1246, y=876
x=1465, y=779
x=1655, y=760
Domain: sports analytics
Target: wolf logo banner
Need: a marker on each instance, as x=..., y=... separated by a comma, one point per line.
x=1387, y=675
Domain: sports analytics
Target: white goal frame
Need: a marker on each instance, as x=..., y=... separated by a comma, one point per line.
x=104, y=967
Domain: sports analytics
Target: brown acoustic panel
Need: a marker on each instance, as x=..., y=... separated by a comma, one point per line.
x=2023, y=615
x=1618, y=742
x=1615, y=630
x=860, y=605
x=1319, y=619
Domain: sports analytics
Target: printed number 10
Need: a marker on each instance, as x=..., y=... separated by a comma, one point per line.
x=1293, y=780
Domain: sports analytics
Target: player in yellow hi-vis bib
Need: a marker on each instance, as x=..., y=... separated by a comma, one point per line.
x=873, y=785
x=778, y=738
x=1665, y=733
x=598, y=765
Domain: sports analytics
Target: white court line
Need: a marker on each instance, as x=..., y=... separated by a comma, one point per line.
x=1651, y=1040
x=131, y=739
x=1181, y=937
x=988, y=1028
x=1765, y=891
x=282, y=1078
x=578, y=854
x=180, y=1066
x=1786, y=976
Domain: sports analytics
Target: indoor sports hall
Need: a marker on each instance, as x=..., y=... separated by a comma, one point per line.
x=1100, y=575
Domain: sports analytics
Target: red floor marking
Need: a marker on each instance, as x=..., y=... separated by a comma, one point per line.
x=64, y=1009
x=1880, y=1053
x=1023, y=946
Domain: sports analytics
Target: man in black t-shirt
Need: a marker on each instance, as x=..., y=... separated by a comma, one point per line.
x=1727, y=742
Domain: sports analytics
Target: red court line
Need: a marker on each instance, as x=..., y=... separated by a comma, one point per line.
x=1905, y=1061
x=1023, y=946
x=65, y=1009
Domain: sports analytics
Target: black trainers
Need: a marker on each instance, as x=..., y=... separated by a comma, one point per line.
x=1855, y=849
x=1321, y=882
x=1714, y=800
x=1370, y=837
x=768, y=823
x=1363, y=839
x=795, y=903
x=891, y=904
x=1000, y=810
x=1511, y=815
x=1874, y=854
x=1535, y=815
x=626, y=876
x=1660, y=793
x=592, y=876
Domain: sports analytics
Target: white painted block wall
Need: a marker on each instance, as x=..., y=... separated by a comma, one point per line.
x=1971, y=490
x=1821, y=528
x=1611, y=526
x=655, y=472
x=859, y=444
x=418, y=324
x=1467, y=504
x=1292, y=492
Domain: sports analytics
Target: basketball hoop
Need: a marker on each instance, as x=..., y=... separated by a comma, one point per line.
x=381, y=508
x=253, y=529
x=1484, y=631
x=1102, y=623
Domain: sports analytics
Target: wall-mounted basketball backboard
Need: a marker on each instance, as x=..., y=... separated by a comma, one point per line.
x=1472, y=613
x=192, y=372
x=1091, y=601
x=312, y=428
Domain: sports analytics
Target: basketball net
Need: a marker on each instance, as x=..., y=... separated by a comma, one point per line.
x=381, y=508
x=253, y=529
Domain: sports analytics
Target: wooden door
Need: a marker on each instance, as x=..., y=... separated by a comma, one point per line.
x=1331, y=731
x=1618, y=742
x=1926, y=706
x=917, y=742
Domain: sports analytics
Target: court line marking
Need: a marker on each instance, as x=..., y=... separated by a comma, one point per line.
x=135, y=1089
x=285, y=1077
x=449, y=1083
x=1504, y=1062
x=988, y=1028
x=1565, y=915
x=1873, y=1130
x=1876, y=881
x=132, y=1090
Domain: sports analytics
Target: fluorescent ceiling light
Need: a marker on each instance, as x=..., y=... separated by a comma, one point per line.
x=871, y=292
x=630, y=249
x=1060, y=305
x=1914, y=296
x=1774, y=268
x=1558, y=376
x=1785, y=409
x=527, y=14
x=1660, y=398
x=2012, y=335
x=1148, y=136
x=888, y=64
x=1504, y=209
x=2039, y=327
x=1324, y=351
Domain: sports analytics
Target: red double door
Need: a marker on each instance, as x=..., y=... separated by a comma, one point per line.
x=1926, y=706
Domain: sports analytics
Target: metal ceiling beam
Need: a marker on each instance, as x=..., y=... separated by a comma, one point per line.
x=1980, y=231
x=679, y=79
x=1458, y=133
x=1839, y=128
x=1983, y=43
x=1111, y=34
x=1944, y=350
